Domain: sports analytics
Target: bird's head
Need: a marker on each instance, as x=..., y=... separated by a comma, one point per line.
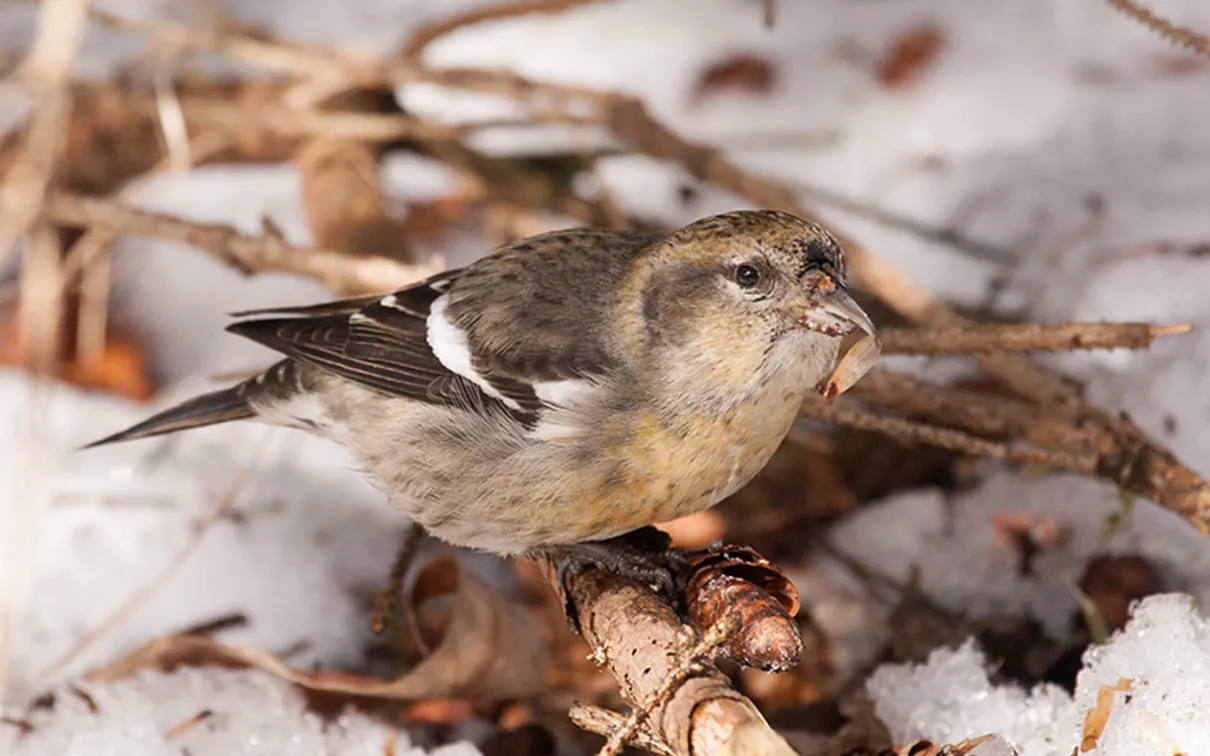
x=745, y=293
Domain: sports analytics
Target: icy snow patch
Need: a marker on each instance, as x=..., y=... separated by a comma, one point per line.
x=1164, y=653
x=238, y=712
x=306, y=540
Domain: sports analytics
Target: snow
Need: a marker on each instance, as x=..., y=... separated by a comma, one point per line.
x=1163, y=654
x=1031, y=111
x=152, y=714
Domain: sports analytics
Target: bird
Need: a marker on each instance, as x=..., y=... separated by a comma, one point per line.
x=563, y=393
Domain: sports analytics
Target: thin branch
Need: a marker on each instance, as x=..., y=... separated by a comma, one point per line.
x=1024, y=337
x=946, y=235
x=851, y=415
x=601, y=721
x=426, y=34
x=1177, y=35
x=1119, y=451
x=339, y=271
x=47, y=71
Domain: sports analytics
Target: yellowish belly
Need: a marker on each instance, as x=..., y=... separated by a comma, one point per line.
x=671, y=470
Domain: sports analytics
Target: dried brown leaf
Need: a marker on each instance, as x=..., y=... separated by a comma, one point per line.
x=743, y=72
x=1096, y=719
x=910, y=55
x=485, y=648
x=1113, y=583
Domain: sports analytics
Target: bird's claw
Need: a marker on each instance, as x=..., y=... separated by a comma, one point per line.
x=643, y=555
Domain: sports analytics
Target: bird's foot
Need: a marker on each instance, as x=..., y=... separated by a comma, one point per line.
x=644, y=555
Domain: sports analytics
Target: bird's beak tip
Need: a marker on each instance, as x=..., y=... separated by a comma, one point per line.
x=840, y=304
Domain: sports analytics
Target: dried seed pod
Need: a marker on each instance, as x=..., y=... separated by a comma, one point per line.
x=856, y=363
x=737, y=579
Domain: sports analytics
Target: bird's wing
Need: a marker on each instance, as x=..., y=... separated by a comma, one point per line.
x=380, y=343
x=518, y=329
x=542, y=310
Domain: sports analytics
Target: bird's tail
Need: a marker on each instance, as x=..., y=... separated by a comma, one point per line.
x=208, y=409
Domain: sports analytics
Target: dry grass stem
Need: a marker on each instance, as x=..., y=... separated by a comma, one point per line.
x=600, y=721
x=1177, y=35
x=1023, y=337
x=849, y=414
x=341, y=272
x=426, y=34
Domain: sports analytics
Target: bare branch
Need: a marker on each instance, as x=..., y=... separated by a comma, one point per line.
x=426, y=34
x=1119, y=452
x=341, y=272
x=1023, y=337
x=849, y=414
x=1177, y=35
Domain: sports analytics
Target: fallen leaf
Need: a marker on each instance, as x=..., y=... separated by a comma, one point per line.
x=119, y=368
x=909, y=55
x=1096, y=719
x=485, y=648
x=744, y=72
x=1113, y=583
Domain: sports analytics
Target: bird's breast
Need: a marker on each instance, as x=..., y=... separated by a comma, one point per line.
x=676, y=464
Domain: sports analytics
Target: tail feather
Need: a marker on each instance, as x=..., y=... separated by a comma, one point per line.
x=208, y=409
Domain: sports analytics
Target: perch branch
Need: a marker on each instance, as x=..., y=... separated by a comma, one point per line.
x=428, y=33
x=637, y=637
x=1023, y=337
x=342, y=272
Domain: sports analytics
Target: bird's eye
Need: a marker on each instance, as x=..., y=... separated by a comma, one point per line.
x=747, y=276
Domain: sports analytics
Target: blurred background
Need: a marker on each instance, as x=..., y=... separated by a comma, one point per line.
x=1023, y=161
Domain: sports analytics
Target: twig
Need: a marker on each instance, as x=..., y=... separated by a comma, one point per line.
x=426, y=34
x=946, y=235
x=636, y=635
x=386, y=599
x=690, y=663
x=849, y=414
x=47, y=71
x=354, y=126
x=339, y=271
x=601, y=721
x=1023, y=337
x=1119, y=451
x=1177, y=35
x=146, y=591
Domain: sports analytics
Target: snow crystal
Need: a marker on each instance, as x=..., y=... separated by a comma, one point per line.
x=305, y=542
x=199, y=711
x=949, y=699
x=1163, y=654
